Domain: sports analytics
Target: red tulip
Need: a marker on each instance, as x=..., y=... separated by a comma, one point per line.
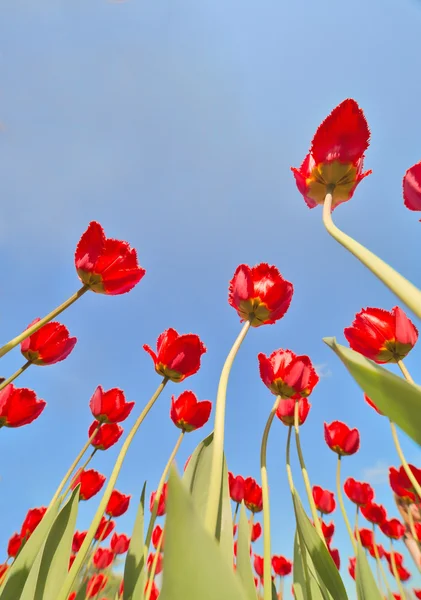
x=371, y=403
x=380, y=550
x=3, y=570
x=19, y=406
x=258, y=565
x=78, y=539
x=157, y=534
x=95, y=585
x=374, y=513
x=108, y=434
x=260, y=294
x=31, y=522
x=397, y=556
x=358, y=492
x=336, y=157
x=110, y=406
x=72, y=596
x=256, y=532
x=287, y=374
x=417, y=594
x=117, y=504
x=281, y=566
x=381, y=335
x=366, y=536
x=351, y=567
x=417, y=527
x=334, y=553
x=401, y=484
x=50, y=344
x=71, y=561
x=341, y=439
x=178, y=356
x=286, y=410
x=253, y=495
x=161, y=502
x=120, y=543
x=154, y=591
x=159, y=563
x=236, y=486
x=328, y=530
x=103, y=558
x=324, y=500
x=403, y=573
x=393, y=529
x=106, y=265
x=105, y=527
x=397, y=596
x=412, y=187
x=90, y=483
x=187, y=413
x=14, y=545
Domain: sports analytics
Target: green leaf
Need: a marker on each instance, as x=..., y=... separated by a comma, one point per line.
x=393, y=395
x=244, y=570
x=325, y=569
x=134, y=573
x=304, y=574
x=81, y=594
x=19, y=571
x=195, y=567
x=366, y=584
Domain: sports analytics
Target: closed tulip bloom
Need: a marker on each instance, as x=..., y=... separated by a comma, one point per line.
x=187, y=413
x=374, y=513
x=258, y=565
x=324, y=500
x=103, y=558
x=281, y=566
x=120, y=543
x=256, y=532
x=154, y=591
x=32, y=520
x=341, y=439
x=90, y=483
x=110, y=406
x=351, y=567
x=78, y=539
x=19, y=406
x=161, y=502
x=328, y=529
x=412, y=188
x=253, y=495
x=334, y=553
x=366, y=537
x=159, y=563
x=286, y=411
x=71, y=561
x=382, y=336
x=401, y=484
x=14, y=545
x=359, y=493
x=393, y=529
x=157, y=534
x=95, y=585
x=72, y=596
x=50, y=344
x=371, y=403
x=336, y=157
x=417, y=594
x=177, y=356
x=106, y=265
x=117, y=504
x=380, y=550
x=236, y=487
x=260, y=294
x=108, y=434
x=403, y=574
x=105, y=527
x=287, y=374
x=397, y=556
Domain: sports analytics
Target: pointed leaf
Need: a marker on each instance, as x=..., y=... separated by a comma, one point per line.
x=393, y=395
x=134, y=573
x=305, y=573
x=366, y=584
x=244, y=570
x=81, y=594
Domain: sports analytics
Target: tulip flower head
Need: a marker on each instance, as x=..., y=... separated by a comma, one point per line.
x=236, y=488
x=286, y=411
x=159, y=563
x=328, y=530
x=401, y=484
x=78, y=539
x=334, y=553
x=102, y=558
x=31, y=522
x=412, y=188
x=341, y=439
x=157, y=534
x=154, y=591
x=117, y=504
x=107, y=435
x=281, y=566
x=324, y=500
x=335, y=161
x=95, y=585
x=187, y=413
x=256, y=532
x=366, y=536
x=161, y=502
x=50, y=344
x=393, y=529
x=120, y=543
x=258, y=565
x=287, y=375
x=90, y=483
x=374, y=513
x=105, y=527
x=351, y=567
x=19, y=406
x=110, y=406
x=253, y=495
x=14, y=545
x=359, y=493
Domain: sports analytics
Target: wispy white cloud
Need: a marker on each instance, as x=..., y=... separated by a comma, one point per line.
x=377, y=474
x=323, y=370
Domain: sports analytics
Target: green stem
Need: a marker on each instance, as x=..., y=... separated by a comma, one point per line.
x=379, y=564
x=215, y=480
x=357, y=528
x=235, y=515
x=82, y=468
x=288, y=461
x=281, y=589
x=267, y=554
x=401, y=287
x=305, y=474
x=15, y=375
x=405, y=371
x=54, y=313
x=342, y=505
x=414, y=534
x=403, y=460
x=153, y=568
x=395, y=570
x=81, y=555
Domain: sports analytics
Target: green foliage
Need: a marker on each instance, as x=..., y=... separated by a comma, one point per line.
x=244, y=569
x=134, y=573
x=366, y=586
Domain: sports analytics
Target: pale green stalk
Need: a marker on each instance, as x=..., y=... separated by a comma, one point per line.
x=153, y=568
x=403, y=460
x=15, y=375
x=235, y=515
x=379, y=564
x=342, y=505
x=395, y=570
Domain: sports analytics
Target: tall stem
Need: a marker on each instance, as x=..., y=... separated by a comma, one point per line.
x=305, y=474
x=216, y=474
x=395, y=570
x=403, y=460
x=81, y=555
x=342, y=505
x=400, y=286
x=379, y=563
x=153, y=568
x=357, y=527
x=267, y=554
x=15, y=375
x=235, y=515
x=54, y=313
x=405, y=371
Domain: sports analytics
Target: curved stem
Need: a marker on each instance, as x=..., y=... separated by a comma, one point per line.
x=15, y=375
x=305, y=474
x=216, y=474
x=153, y=568
x=267, y=554
x=395, y=570
x=401, y=287
x=379, y=563
x=403, y=460
x=81, y=555
x=54, y=313
x=342, y=505
x=405, y=371
x=288, y=461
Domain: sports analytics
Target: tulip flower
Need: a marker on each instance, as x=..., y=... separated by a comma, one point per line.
x=236, y=488
x=366, y=537
x=417, y=594
x=78, y=539
x=371, y=403
x=380, y=550
x=258, y=565
x=107, y=435
x=19, y=406
x=159, y=563
x=117, y=504
x=161, y=502
x=157, y=534
x=374, y=513
x=286, y=411
x=187, y=413
x=31, y=522
x=178, y=356
x=256, y=532
x=110, y=406
x=412, y=187
x=105, y=527
x=154, y=591
x=382, y=336
x=334, y=553
x=341, y=439
x=71, y=561
x=50, y=344
x=324, y=500
x=120, y=543
x=393, y=529
x=287, y=375
x=401, y=484
x=259, y=294
x=72, y=596
x=253, y=495
x=335, y=161
x=351, y=567
x=95, y=585
x=103, y=558
x=328, y=530
x=3, y=570
x=90, y=483
x=106, y=265
x=281, y=566
x=397, y=556
x=14, y=545
x=358, y=492
x=403, y=574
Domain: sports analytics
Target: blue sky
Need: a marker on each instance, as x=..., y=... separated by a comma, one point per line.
x=174, y=124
